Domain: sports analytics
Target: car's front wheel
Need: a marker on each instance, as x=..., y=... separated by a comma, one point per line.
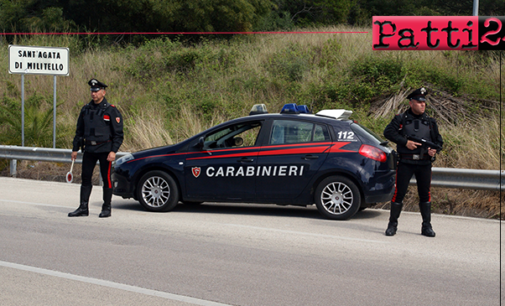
x=337, y=198
x=157, y=191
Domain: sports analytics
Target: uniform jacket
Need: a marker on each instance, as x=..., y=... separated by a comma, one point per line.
x=395, y=132
x=101, y=124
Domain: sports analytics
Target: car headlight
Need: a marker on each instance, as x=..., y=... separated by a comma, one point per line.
x=122, y=160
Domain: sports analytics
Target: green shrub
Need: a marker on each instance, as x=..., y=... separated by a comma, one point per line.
x=160, y=57
x=290, y=63
x=38, y=122
x=372, y=69
x=371, y=77
x=330, y=54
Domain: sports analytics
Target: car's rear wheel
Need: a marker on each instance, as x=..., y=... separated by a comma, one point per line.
x=157, y=191
x=337, y=198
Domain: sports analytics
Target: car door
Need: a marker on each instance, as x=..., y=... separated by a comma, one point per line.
x=222, y=165
x=295, y=151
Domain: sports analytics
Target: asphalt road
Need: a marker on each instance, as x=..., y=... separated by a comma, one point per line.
x=224, y=254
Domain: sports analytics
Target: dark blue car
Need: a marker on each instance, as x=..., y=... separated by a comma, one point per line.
x=289, y=158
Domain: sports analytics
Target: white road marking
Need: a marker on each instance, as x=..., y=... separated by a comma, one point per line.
x=305, y=233
x=36, y=204
x=100, y=282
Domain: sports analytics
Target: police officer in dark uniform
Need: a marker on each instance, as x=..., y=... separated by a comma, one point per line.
x=414, y=158
x=100, y=133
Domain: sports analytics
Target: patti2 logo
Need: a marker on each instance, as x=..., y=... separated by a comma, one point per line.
x=438, y=33
x=488, y=23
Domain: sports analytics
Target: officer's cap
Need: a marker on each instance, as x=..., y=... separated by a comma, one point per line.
x=418, y=94
x=96, y=85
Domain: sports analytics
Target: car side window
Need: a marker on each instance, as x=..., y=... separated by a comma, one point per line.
x=237, y=135
x=291, y=131
x=321, y=133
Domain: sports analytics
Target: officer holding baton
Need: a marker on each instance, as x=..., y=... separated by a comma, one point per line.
x=99, y=133
x=415, y=158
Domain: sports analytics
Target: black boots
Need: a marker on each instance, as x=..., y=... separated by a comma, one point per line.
x=396, y=209
x=426, y=229
x=107, y=197
x=83, y=207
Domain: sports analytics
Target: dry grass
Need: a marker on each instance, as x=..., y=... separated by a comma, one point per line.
x=461, y=202
x=145, y=130
x=473, y=146
x=190, y=123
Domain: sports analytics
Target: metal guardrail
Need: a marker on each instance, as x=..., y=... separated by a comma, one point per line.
x=40, y=154
x=466, y=178
x=441, y=177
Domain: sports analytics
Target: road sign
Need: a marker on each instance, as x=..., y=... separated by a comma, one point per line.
x=38, y=60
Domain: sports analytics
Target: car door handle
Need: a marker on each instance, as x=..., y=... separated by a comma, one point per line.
x=307, y=157
x=246, y=160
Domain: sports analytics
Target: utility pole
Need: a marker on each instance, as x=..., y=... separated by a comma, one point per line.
x=475, y=7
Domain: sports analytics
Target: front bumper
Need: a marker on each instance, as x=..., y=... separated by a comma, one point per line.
x=121, y=186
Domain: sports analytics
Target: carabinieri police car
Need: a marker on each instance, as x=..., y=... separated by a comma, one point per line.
x=288, y=158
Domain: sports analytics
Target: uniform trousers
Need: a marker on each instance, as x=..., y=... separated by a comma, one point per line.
x=404, y=173
x=89, y=160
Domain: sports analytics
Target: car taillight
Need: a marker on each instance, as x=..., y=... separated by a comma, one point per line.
x=373, y=153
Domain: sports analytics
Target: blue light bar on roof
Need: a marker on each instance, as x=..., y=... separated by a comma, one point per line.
x=303, y=109
x=292, y=108
x=289, y=108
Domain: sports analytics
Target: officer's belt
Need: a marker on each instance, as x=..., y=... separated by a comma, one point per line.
x=414, y=157
x=95, y=143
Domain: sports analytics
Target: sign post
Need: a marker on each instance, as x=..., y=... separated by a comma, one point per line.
x=38, y=60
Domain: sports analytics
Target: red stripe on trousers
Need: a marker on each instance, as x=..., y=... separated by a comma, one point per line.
x=109, y=183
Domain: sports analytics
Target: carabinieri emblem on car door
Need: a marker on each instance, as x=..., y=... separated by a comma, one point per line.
x=196, y=171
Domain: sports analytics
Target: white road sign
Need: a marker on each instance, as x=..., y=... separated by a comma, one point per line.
x=38, y=60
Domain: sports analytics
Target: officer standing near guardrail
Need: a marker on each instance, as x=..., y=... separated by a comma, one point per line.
x=418, y=140
x=99, y=133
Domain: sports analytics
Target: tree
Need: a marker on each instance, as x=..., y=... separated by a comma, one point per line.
x=132, y=15
x=167, y=15
x=221, y=15
x=33, y=15
x=315, y=12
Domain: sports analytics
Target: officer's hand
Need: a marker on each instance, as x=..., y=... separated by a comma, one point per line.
x=111, y=157
x=432, y=152
x=74, y=155
x=412, y=145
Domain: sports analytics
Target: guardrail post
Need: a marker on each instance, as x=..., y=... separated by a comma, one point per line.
x=13, y=167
